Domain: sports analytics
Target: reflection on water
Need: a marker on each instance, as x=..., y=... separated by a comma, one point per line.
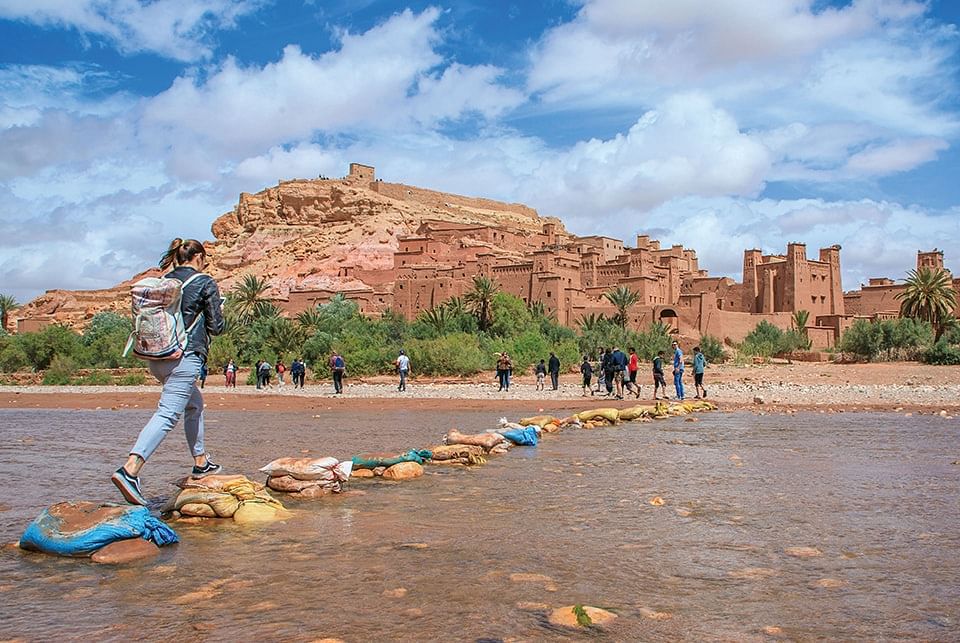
x=824, y=526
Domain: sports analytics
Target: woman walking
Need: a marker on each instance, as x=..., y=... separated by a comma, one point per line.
x=200, y=306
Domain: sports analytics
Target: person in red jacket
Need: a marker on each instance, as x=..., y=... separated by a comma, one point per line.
x=633, y=365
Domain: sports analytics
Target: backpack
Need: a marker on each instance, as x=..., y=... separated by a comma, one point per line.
x=338, y=362
x=158, y=329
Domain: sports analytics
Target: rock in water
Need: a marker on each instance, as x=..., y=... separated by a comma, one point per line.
x=403, y=471
x=568, y=617
x=125, y=551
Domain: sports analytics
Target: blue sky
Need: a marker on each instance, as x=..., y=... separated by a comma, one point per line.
x=124, y=123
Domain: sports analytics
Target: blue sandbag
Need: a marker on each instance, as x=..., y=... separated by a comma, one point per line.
x=44, y=534
x=413, y=455
x=525, y=437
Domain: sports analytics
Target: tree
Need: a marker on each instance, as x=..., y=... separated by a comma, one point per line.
x=480, y=300
x=246, y=298
x=436, y=318
x=623, y=299
x=7, y=305
x=929, y=296
x=592, y=322
x=799, y=321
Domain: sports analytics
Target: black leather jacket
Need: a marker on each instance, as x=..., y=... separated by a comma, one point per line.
x=200, y=297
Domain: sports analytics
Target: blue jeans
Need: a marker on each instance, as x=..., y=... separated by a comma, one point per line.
x=403, y=380
x=678, y=383
x=180, y=396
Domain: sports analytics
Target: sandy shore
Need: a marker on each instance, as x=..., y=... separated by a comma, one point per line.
x=768, y=387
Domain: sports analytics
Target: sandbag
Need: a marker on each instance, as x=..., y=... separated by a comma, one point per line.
x=374, y=461
x=81, y=528
x=289, y=484
x=403, y=471
x=224, y=497
x=523, y=437
x=485, y=440
x=553, y=428
x=609, y=414
x=635, y=412
x=539, y=420
x=455, y=451
x=255, y=511
x=506, y=424
x=310, y=468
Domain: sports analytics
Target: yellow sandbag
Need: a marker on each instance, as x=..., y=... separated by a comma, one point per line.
x=610, y=415
x=550, y=428
x=538, y=420
x=198, y=497
x=225, y=505
x=197, y=509
x=635, y=412
x=253, y=511
x=455, y=451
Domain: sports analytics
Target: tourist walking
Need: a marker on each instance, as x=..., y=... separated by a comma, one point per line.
x=658, y=381
x=541, y=371
x=608, y=371
x=297, y=370
x=633, y=365
x=619, y=362
x=256, y=372
x=403, y=369
x=587, y=371
x=200, y=306
x=601, y=374
x=699, y=365
x=678, y=370
x=554, y=367
x=504, y=366
x=281, y=370
x=266, y=369
x=230, y=372
x=338, y=367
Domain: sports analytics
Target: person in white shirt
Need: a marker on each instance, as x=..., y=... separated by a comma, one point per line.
x=403, y=368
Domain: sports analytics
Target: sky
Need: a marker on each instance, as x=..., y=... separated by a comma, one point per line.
x=721, y=126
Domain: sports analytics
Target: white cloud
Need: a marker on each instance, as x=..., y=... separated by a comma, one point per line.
x=178, y=29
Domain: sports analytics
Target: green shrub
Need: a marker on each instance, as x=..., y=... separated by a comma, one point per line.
x=61, y=371
x=132, y=379
x=766, y=340
x=13, y=358
x=96, y=378
x=712, y=349
x=510, y=316
x=888, y=339
x=455, y=354
x=943, y=353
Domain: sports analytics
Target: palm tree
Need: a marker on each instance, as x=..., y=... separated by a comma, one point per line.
x=799, y=321
x=480, y=300
x=591, y=322
x=247, y=298
x=436, y=318
x=455, y=306
x=623, y=299
x=7, y=305
x=539, y=312
x=311, y=320
x=282, y=336
x=929, y=296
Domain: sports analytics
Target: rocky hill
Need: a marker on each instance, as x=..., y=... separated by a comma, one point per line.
x=303, y=234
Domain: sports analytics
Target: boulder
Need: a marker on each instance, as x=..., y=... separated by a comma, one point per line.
x=567, y=616
x=363, y=473
x=125, y=551
x=403, y=471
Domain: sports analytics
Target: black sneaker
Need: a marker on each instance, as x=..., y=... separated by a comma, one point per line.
x=129, y=487
x=208, y=469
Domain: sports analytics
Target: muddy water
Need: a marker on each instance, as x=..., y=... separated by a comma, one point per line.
x=480, y=554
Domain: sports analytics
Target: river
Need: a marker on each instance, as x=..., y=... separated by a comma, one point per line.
x=812, y=526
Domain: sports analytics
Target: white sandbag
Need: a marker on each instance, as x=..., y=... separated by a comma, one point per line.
x=310, y=468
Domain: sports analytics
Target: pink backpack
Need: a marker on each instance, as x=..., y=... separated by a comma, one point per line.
x=158, y=329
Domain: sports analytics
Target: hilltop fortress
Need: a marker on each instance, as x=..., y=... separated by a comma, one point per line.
x=394, y=246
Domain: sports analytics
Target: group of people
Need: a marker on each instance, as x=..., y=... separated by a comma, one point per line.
x=263, y=371
x=617, y=373
x=552, y=366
